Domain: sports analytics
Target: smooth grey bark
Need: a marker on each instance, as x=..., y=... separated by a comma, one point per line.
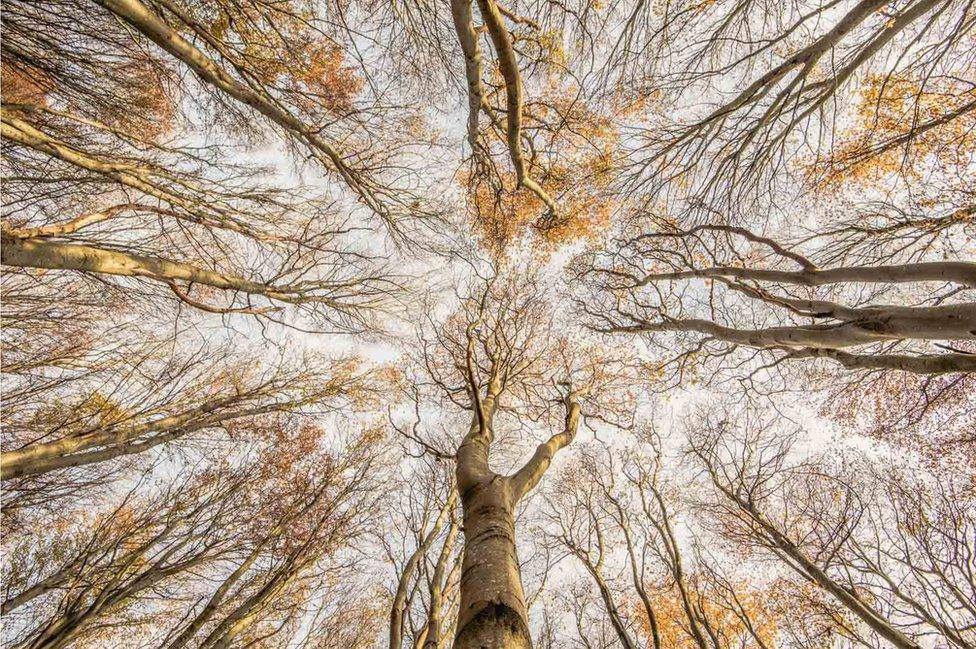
x=400, y=597
x=952, y=322
x=501, y=40
x=36, y=253
x=104, y=445
x=433, y=635
x=957, y=272
x=493, y=611
x=869, y=325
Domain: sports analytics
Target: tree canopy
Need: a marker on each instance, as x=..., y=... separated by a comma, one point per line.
x=476, y=324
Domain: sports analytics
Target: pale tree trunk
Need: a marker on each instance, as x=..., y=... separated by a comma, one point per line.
x=433, y=633
x=494, y=24
x=868, y=614
x=613, y=611
x=216, y=600
x=244, y=615
x=220, y=595
x=103, y=545
x=400, y=599
x=145, y=178
x=866, y=326
x=43, y=457
x=493, y=612
x=636, y=578
x=595, y=568
x=924, y=364
x=880, y=324
x=64, y=630
x=26, y=253
x=958, y=272
x=664, y=527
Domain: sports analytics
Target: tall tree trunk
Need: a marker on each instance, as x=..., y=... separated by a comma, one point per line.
x=492, y=614
x=434, y=633
x=400, y=599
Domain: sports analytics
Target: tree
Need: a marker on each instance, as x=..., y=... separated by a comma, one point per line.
x=91, y=396
x=791, y=66
x=829, y=524
x=497, y=353
x=247, y=57
x=749, y=277
x=704, y=379
x=664, y=591
x=112, y=429
x=256, y=552
x=750, y=227
x=129, y=207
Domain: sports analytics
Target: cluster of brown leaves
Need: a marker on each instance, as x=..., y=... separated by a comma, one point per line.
x=574, y=163
x=889, y=108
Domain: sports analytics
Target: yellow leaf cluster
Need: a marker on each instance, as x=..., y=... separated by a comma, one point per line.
x=673, y=623
x=289, y=53
x=888, y=109
x=576, y=171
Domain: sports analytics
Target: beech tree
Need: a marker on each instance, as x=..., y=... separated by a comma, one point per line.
x=247, y=56
x=109, y=184
x=112, y=430
x=139, y=209
x=664, y=592
x=719, y=245
x=213, y=523
x=497, y=355
x=136, y=197
x=81, y=399
x=791, y=66
x=830, y=526
x=748, y=277
x=491, y=323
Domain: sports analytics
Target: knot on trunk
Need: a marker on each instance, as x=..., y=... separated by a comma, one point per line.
x=495, y=626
